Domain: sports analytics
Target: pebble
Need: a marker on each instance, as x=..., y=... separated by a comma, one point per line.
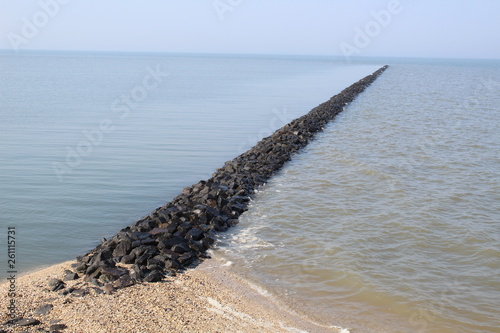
x=44, y=309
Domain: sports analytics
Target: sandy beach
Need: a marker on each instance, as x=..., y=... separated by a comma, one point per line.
x=208, y=298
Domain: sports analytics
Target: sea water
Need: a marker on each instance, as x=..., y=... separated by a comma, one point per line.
x=388, y=222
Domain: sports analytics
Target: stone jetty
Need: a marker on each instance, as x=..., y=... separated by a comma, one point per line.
x=178, y=234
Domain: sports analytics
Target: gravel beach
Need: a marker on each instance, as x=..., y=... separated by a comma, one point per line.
x=209, y=298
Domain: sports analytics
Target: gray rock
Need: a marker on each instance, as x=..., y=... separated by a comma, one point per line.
x=98, y=291
x=13, y=321
x=139, y=235
x=123, y=282
x=113, y=273
x=108, y=289
x=96, y=282
x=44, y=309
x=70, y=276
x=57, y=327
x=128, y=259
x=154, y=276
x=80, y=267
x=195, y=234
x=56, y=284
x=28, y=322
x=180, y=248
x=79, y=293
x=123, y=248
x=66, y=291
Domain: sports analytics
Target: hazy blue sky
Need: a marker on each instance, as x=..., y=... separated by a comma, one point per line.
x=418, y=28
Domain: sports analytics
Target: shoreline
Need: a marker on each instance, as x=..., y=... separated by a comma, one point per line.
x=208, y=298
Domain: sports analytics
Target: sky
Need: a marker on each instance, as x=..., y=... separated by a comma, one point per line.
x=398, y=28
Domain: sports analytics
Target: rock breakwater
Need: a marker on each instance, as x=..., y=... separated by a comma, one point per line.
x=179, y=233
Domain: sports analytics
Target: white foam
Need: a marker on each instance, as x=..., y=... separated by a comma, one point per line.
x=258, y=289
x=341, y=330
x=227, y=263
x=292, y=329
x=233, y=315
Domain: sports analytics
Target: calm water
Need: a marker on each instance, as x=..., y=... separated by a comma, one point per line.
x=387, y=223
x=89, y=143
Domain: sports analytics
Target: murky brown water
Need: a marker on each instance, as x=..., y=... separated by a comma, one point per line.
x=389, y=221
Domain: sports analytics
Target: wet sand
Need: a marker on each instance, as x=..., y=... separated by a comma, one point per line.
x=208, y=298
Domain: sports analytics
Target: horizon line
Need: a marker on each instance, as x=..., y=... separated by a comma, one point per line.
x=239, y=54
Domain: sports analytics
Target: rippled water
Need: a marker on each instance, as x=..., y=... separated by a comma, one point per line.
x=389, y=221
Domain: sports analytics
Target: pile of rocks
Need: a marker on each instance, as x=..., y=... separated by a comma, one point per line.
x=179, y=233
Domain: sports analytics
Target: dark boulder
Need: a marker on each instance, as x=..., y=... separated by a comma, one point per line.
x=154, y=276
x=139, y=235
x=69, y=275
x=195, y=234
x=123, y=248
x=181, y=248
